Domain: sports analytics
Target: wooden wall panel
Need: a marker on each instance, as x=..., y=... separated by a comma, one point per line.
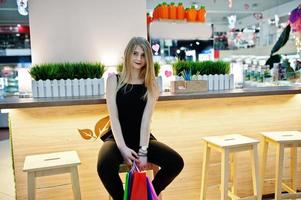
x=180, y=124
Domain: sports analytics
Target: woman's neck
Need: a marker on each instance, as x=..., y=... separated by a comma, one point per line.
x=135, y=77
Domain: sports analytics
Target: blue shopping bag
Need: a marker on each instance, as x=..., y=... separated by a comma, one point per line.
x=151, y=193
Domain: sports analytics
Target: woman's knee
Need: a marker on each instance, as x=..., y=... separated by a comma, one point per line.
x=178, y=163
x=174, y=164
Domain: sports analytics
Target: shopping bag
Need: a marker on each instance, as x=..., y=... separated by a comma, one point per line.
x=151, y=193
x=129, y=181
x=126, y=187
x=139, y=187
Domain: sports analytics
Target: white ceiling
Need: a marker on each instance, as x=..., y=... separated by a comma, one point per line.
x=217, y=10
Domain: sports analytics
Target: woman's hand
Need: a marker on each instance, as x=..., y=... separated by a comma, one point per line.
x=142, y=163
x=129, y=155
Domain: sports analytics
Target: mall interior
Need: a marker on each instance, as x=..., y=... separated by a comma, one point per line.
x=229, y=74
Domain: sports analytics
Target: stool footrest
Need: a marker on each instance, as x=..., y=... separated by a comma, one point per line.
x=249, y=198
x=287, y=188
x=53, y=186
x=233, y=196
x=50, y=172
x=291, y=195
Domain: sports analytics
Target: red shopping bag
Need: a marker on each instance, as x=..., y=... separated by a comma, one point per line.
x=139, y=187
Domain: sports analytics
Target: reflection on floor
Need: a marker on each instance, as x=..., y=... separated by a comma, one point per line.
x=7, y=189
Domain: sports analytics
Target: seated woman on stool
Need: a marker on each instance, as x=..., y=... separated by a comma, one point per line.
x=131, y=98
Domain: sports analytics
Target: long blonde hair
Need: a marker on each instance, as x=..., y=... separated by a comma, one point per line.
x=147, y=72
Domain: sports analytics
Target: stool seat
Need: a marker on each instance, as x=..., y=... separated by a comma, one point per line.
x=233, y=140
x=52, y=164
x=284, y=136
x=51, y=161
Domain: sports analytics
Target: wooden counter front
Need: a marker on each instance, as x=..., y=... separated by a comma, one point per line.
x=180, y=124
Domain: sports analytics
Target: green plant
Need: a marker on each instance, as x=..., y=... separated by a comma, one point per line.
x=119, y=67
x=180, y=66
x=157, y=68
x=267, y=74
x=67, y=70
x=202, y=68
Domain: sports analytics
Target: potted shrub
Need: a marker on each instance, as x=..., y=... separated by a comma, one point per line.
x=67, y=79
x=188, y=84
x=215, y=72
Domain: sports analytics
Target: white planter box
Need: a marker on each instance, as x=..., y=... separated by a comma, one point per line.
x=216, y=82
x=219, y=82
x=68, y=88
x=159, y=81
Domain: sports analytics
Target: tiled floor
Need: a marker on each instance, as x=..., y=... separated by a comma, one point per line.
x=7, y=189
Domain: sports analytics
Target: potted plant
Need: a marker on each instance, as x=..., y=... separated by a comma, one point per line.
x=215, y=72
x=267, y=76
x=67, y=79
x=188, y=84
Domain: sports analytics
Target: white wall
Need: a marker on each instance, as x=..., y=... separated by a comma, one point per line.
x=180, y=30
x=89, y=30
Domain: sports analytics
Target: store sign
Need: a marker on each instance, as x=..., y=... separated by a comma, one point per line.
x=14, y=29
x=8, y=29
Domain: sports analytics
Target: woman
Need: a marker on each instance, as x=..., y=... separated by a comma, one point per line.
x=131, y=98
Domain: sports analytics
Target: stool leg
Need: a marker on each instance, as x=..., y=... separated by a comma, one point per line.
x=206, y=157
x=264, y=151
x=294, y=168
x=155, y=170
x=255, y=172
x=31, y=186
x=233, y=176
x=75, y=183
x=224, y=174
x=150, y=173
x=279, y=171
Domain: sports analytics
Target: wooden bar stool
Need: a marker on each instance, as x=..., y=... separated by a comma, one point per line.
x=151, y=171
x=228, y=145
x=52, y=164
x=282, y=139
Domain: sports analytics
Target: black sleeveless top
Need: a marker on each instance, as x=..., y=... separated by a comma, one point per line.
x=130, y=105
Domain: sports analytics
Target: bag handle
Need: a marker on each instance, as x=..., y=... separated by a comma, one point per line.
x=135, y=168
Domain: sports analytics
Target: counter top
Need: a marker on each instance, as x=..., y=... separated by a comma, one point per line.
x=16, y=102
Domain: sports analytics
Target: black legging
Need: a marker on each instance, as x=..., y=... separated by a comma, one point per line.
x=109, y=159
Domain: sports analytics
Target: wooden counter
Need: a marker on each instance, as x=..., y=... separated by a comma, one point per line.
x=16, y=102
x=178, y=123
